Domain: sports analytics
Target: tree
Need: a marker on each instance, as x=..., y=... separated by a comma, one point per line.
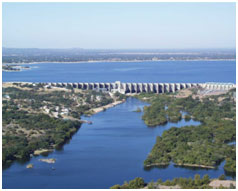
x=117, y=186
x=136, y=183
x=197, y=179
x=205, y=179
x=222, y=177
x=151, y=185
x=187, y=117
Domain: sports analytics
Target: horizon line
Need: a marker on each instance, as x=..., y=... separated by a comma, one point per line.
x=125, y=48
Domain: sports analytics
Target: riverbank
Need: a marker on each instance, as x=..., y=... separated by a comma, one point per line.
x=103, y=108
x=52, y=148
x=156, y=164
x=195, y=165
x=182, y=165
x=33, y=126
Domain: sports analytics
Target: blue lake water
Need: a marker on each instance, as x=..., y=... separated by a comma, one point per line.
x=163, y=71
x=113, y=148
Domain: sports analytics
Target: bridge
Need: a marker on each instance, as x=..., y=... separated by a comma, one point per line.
x=158, y=88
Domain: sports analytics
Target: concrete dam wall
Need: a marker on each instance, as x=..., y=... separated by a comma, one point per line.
x=125, y=88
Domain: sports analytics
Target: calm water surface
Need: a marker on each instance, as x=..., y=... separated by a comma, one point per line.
x=113, y=148
x=163, y=71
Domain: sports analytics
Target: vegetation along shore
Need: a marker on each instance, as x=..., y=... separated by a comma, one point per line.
x=179, y=183
x=38, y=119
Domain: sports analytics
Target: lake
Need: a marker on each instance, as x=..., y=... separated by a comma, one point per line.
x=113, y=148
x=162, y=71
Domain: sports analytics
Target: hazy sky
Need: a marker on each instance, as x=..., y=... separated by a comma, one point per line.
x=119, y=25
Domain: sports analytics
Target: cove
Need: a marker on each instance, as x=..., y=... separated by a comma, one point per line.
x=108, y=152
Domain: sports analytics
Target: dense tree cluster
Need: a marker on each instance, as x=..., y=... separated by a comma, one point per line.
x=159, y=113
x=19, y=146
x=205, y=145
x=133, y=184
x=186, y=183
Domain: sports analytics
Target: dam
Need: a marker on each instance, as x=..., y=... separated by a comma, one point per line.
x=158, y=88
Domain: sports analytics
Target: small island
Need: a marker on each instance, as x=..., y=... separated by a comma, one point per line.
x=29, y=166
x=14, y=68
x=50, y=160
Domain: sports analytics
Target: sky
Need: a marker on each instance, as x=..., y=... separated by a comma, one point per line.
x=119, y=25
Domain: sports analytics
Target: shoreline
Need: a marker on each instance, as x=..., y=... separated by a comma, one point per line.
x=119, y=61
x=103, y=108
x=195, y=165
x=39, y=152
x=156, y=165
x=181, y=165
x=50, y=149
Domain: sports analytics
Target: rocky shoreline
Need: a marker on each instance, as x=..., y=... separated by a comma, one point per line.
x=42, y=151
x=48, y=160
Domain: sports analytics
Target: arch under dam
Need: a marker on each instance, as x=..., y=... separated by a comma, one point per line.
x=125, y=88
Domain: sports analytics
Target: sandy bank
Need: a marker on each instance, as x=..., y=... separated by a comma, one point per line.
x=102, y=108
x=51, y=160
x=182, y=165
x=41, y=151
x=195, y=165
x=29, y=166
